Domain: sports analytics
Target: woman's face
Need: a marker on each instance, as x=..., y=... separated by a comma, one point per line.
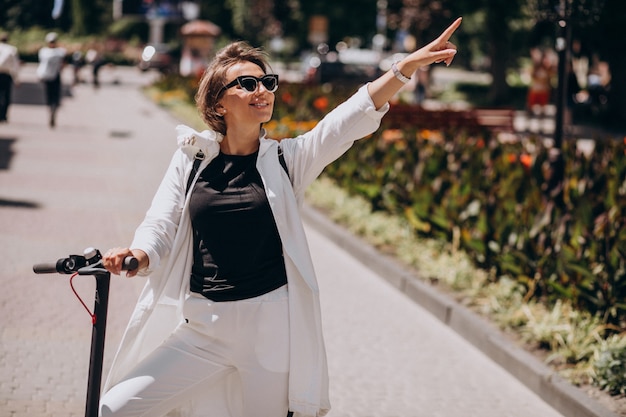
x=241, y=106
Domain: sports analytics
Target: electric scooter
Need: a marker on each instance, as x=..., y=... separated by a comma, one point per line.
x=90, y=263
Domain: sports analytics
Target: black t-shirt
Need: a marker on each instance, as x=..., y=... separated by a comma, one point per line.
x=237, y=250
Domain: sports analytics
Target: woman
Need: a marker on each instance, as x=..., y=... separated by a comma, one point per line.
x=540, y=87
x=217, y=325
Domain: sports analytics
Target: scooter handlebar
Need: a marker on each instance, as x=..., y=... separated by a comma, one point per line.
x=74, y=263
x=49, y=268
x=130, y=263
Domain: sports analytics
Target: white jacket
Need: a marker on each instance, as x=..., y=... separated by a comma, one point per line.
x=9, y=60
x=50, y=62
x=165, y=235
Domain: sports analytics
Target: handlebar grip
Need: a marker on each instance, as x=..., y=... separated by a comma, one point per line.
x=47, y=268
x=130, y=263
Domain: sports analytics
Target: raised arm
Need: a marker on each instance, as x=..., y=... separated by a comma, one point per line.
x=440, y=50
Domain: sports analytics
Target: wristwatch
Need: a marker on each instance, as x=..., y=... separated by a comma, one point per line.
x=398, y=74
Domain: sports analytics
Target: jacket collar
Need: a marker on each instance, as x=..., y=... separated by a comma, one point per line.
x=265, y=143
x=208, y=141
x=191, y=141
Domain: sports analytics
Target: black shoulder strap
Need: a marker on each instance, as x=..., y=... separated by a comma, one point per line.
x=200, y=156
x=281, y=159
x=196, y=164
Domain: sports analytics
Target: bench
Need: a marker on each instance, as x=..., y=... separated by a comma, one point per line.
x=497, y=120
x=476, y=120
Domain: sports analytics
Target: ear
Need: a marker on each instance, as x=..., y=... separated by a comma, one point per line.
x=220, y=110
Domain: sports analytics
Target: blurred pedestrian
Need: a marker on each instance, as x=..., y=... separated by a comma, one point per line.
x=95, y=58
x=9, y=67
x=422, y=80
x=540, y=88
x=230, y=312
x=51, y=62
x=78, y=62
x=598, y=86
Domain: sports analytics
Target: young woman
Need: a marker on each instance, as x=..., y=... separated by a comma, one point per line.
x=229, y=319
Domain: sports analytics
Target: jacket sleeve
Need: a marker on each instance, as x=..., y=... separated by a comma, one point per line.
x=155, y=235
x=307, y=155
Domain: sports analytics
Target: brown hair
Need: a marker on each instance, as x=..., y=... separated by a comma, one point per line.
x=214, y=79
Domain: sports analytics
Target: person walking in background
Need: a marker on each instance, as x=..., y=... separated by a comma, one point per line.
x=78, y=62
x=230, y=313
x=540, y=88
x=422, y=81
x=96, y=59
x=51, y=61
x=9, y=67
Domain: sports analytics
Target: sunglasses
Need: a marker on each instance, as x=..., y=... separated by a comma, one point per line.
x=250, y=83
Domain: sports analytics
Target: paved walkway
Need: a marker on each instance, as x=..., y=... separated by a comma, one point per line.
x=88, y=183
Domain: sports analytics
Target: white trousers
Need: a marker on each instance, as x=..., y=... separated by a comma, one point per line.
x=239, y=348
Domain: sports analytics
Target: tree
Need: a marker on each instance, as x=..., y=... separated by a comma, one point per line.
x=79, y=27
x=499, y=30
x=80, y=17
x=23, y=14
x=611, y=28
x=346, y=18
x=495, y=28
x=598, y=24
x=491, y=28
x=260, y=20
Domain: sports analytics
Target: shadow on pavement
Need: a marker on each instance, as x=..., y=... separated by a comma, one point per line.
x=6, y=152
x=18, y=204
x=33, y=93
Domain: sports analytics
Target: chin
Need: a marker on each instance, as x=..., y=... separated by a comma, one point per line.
x=267, y=119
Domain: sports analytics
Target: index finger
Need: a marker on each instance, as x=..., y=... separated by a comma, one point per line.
x=447, y=34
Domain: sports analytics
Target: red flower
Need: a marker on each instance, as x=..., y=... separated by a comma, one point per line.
x=526, y=161
x=320, y=103
x=392, y=135
x=287, y=97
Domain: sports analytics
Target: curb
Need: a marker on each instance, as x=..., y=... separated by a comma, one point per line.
x=540, y=379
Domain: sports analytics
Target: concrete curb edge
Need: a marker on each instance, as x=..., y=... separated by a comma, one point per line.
x=539, y=378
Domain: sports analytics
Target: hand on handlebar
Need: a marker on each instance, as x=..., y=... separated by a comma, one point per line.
x=113, y=260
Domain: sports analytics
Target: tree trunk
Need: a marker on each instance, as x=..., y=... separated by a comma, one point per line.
x=499, y=51
x=613, y=22
x=78, y=18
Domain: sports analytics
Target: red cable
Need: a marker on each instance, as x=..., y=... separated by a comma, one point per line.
x=93, y=316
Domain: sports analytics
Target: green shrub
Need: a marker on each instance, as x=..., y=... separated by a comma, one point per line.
x=493, y=196
x=610, y=366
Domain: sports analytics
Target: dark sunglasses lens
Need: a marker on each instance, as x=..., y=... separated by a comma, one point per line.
x=270, y=83
x=248, y=83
